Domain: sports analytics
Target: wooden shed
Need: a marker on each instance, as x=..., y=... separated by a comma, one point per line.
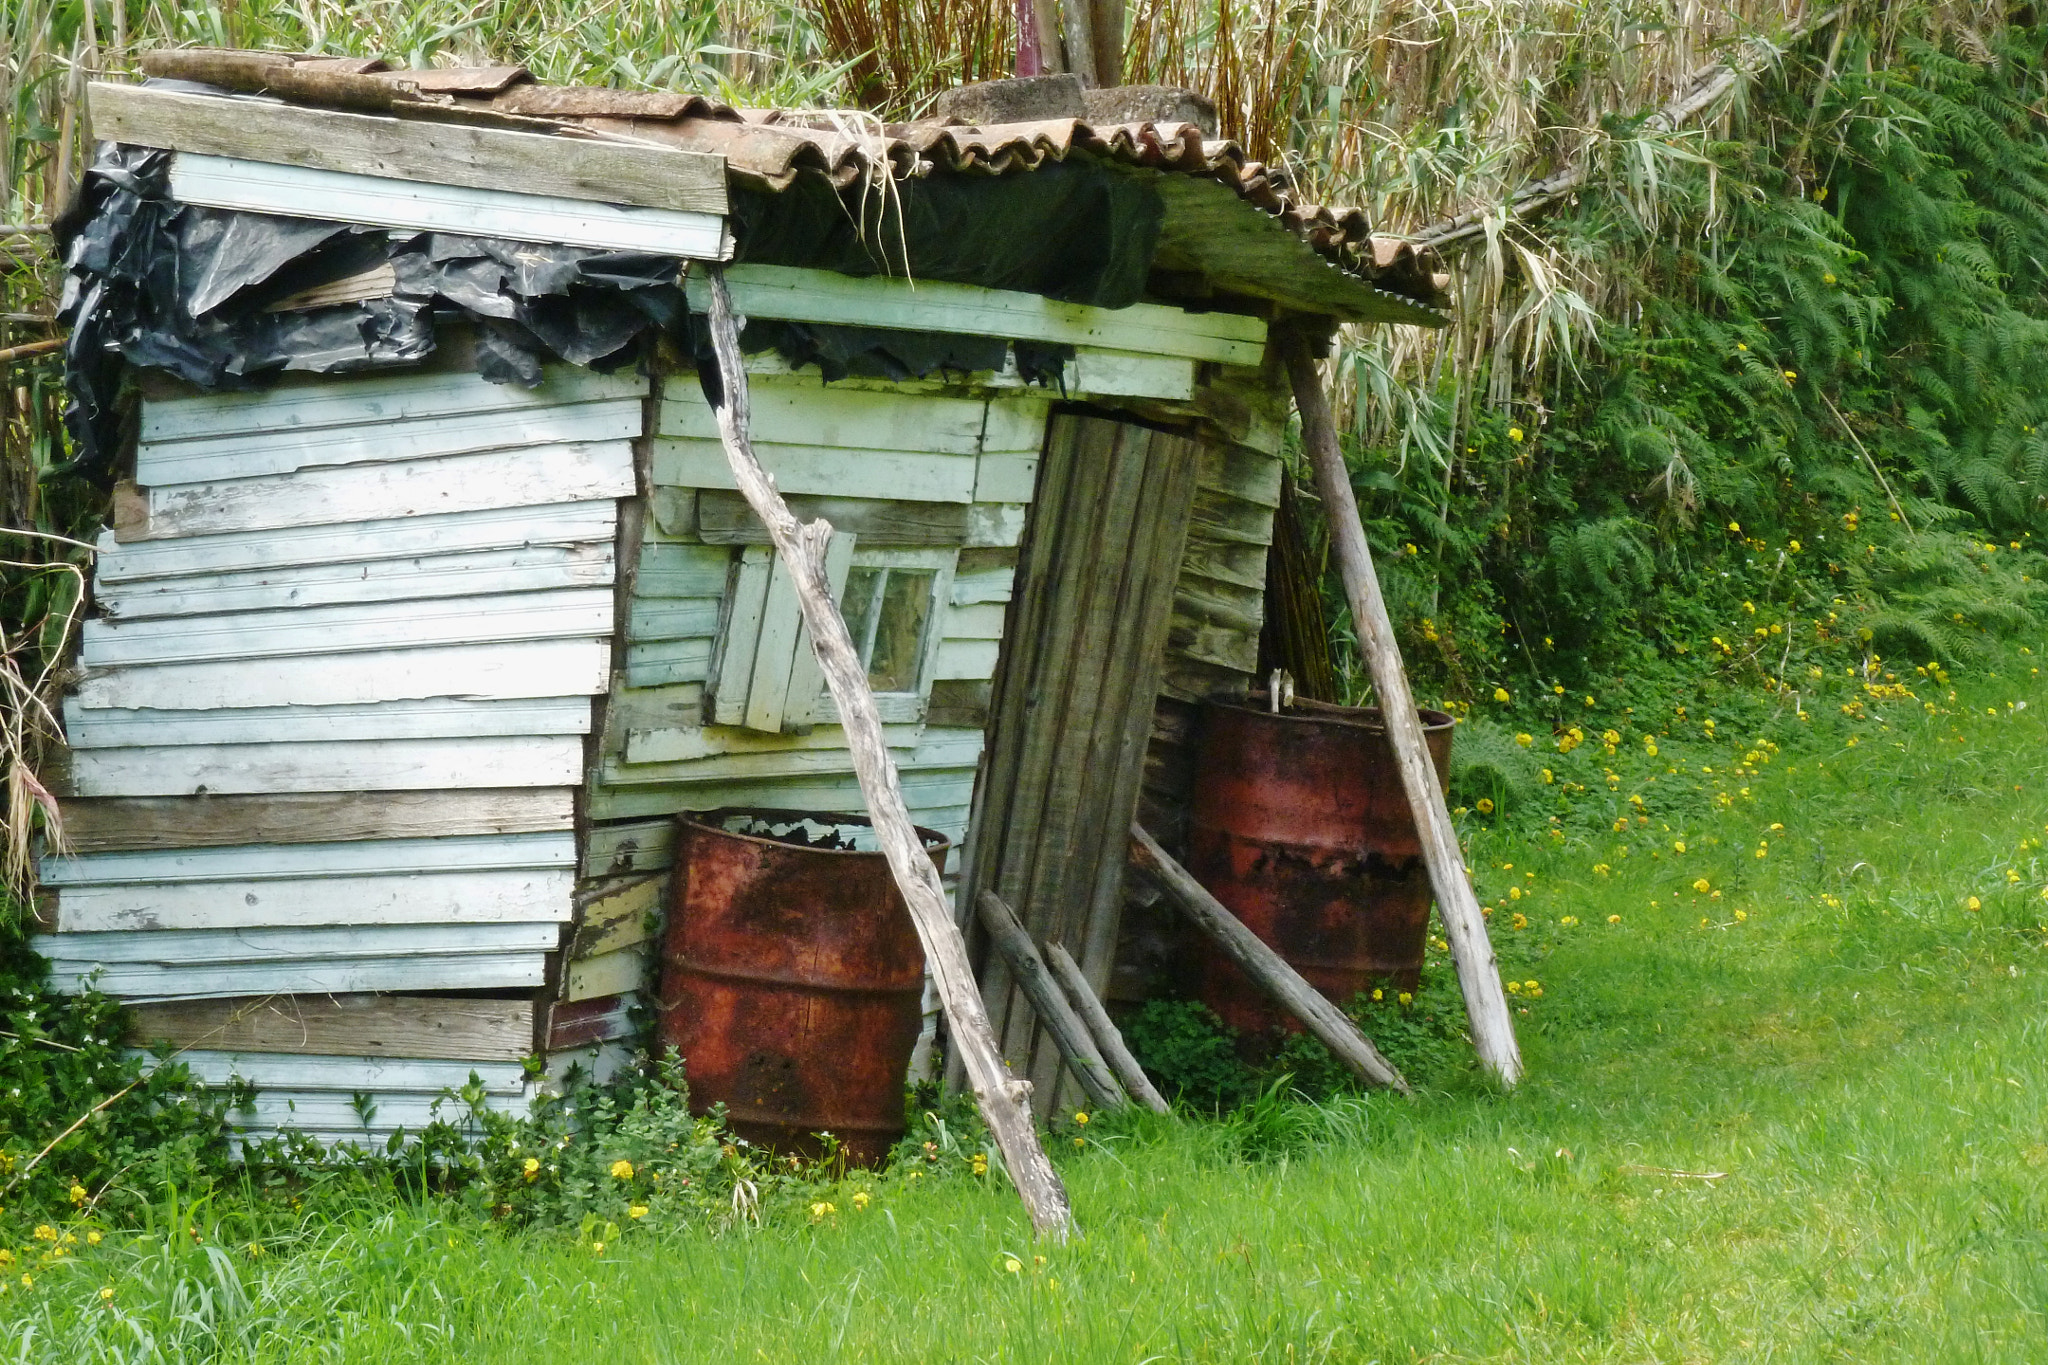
x=397, y=673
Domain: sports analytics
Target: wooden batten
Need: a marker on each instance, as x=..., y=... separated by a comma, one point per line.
x=116, y=824
x=456, y=1028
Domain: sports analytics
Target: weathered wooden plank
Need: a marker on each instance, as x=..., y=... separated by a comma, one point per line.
x=339, y=1118
x=763, y=291
x=1110, y=374
x=984, y=579
x=1218, y=646
x=691, y=744
x=636, y=846
x=615, y=973
x=667, y=663
x=618, y=915
x=934, y=789
x=490, y=528
x=640, y=173
x=227, y=182
x=760, y=765
x=982, y=621
x=801, y=683
x=115, y=824
x=353, y=1026
x=962, y=702
x=967, y=659
x=600, y=1020
x=482, y=573
x=347, y=765
x=805, y=412
x=1224, y=517
x=680, y=706
x=1006, y=477
x=1016, y=423
x=664, y=618
x=1240, y=471
x=677, y=571
x=723, y=518
x=1238, y=565
x=333, y=630
x=521, y=896
x=176, y=948
x=257, y=453
x=991, y=524
x=910, y=476
x=301, y=403
x=527, y=668
x=283, y=1071
x=404, y=972
x=426, y=718
x=267, y=862
x=453, y=483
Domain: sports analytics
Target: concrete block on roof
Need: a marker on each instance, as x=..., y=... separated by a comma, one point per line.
x=1150, y=104
x=1024, y=99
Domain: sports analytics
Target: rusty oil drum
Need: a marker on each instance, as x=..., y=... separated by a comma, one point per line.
x=1299, y=825
x=792, y=977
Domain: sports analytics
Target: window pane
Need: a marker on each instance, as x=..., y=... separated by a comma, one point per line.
x=858, y=604
x=906, y=604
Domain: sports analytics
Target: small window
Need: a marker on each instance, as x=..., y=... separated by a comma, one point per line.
x=766, y=677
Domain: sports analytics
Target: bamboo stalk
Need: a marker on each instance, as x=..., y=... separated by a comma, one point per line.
x=1486, y=1003
x=1108, y=1038
x=1272, y=972
x=1069, y=1033
x=1004, y=1100
x=29, y=349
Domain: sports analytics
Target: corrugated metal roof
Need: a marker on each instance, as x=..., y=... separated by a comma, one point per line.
x=1377, y=278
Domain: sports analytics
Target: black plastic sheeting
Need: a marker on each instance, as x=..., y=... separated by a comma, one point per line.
x=187, y=290
x=1077, y=231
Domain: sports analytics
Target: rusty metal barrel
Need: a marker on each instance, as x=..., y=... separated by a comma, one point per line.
x=791, y=977
x=1299, y=824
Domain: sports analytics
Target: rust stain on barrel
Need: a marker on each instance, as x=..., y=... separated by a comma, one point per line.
x=1300, y=826
x=792, y=979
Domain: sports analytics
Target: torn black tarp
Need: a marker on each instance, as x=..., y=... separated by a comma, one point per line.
x=195, y=292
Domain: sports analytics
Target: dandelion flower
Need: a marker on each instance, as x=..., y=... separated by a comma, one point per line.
x=1500, y=694
x=622, y=1170
x=1975, y=904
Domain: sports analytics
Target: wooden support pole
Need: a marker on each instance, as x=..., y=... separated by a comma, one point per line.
x=1071, y=1036
x=1004, y=1100
x=1266, y=968
x=1486, y=1003
x=1108, y=1037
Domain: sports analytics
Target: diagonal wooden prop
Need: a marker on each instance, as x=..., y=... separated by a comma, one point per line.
x=1486, y=1003
x=1004, y=1099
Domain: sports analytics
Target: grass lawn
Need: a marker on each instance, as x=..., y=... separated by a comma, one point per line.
x=1805, y=1121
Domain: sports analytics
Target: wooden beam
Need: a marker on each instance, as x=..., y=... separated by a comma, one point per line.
x=1108, y=1037
x=1069, y=1034
x=411, y=149
x=115, y=824
x=773, y=291
x=1004, y=1100
x=1486, y=1003
x=343, y=1026
x=1270, y=971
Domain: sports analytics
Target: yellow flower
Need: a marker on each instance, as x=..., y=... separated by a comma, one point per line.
x=44, y=1233
x=1530, y=986
x=1569, y=920
x=1678, y=845
x=979, y=1162
x=1791, y=375
x=1013, y=1265
x=1405, y=998
x=1500, y=694
x=531, y=1168
x=106, y=1292
x=1514, y=893
x=1514, y=433
x=1525, y=740
x=1485, y=805
x=1975, y=904
x=1702, y=886
x=1081, y=1116
x=1549, y=776
x=92, y=1239
x=1514, y=988
x=1521, y=921
x=597, y=1248
x=1793, y=547
x=77, y=1194
x=1379, y=995
x=255, y=1250
x=821, y=1210
x=1741, y=915
x=622, y=1170
x=636, y=1211
x=1601, y=869
x=1614, y=919
x=1080, y=1142
x=861, y=1199
x=1559, y=689
x=1650, y=747
x=1736, y=527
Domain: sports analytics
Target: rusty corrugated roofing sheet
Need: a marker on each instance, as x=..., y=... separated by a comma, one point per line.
x=1373, y=279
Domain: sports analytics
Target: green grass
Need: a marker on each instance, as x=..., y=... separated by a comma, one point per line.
x=1817, y=1132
